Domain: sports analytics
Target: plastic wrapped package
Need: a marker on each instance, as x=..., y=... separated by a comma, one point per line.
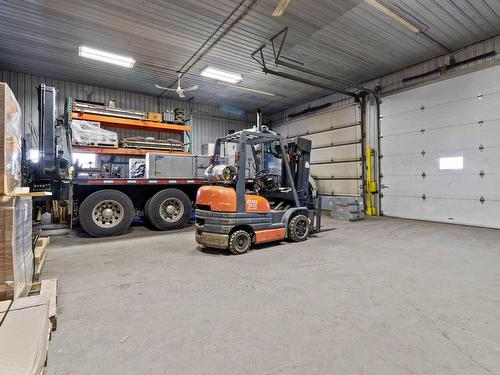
x=90, y=133
x=10, y=141
x=16, y=254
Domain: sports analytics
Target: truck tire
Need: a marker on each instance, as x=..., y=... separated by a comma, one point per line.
x=298, y=228
x=146, y=219
x=106, y=213
x=168, y=209
x=240, y=242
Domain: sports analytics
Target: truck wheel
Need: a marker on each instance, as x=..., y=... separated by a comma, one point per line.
x=239, y=242
x=106, y=213
x=168, y=209
x=298, y=228
x=146, y=205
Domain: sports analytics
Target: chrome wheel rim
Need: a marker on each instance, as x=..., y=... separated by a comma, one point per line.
x=107, y=214
x=171, y=210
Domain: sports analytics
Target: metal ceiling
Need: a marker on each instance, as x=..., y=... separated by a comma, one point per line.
x=344, y=38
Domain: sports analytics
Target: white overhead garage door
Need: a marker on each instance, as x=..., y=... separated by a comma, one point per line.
x=336, y=158
x=440, y=151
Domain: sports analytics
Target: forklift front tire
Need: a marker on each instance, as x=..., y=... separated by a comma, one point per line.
x=240, y=242
x=298, y=228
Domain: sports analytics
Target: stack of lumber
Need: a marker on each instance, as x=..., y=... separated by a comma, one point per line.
x=16, y=254
x=10, y=141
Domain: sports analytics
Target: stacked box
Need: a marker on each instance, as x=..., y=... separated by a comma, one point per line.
x=10, y=141
x=347, y=208
x=16, y=254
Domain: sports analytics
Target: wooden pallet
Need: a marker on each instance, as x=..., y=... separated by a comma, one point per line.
x=48, y=288
x=40, y=256
x=25, y=192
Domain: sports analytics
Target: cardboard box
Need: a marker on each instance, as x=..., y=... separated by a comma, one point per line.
x=155, y=116
x=10, y=141
x=16, y=255
x=24, y=335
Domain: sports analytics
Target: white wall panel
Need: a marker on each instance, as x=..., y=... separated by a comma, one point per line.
x=458, y=117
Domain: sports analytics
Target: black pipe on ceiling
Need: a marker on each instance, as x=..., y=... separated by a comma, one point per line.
x=183, y=70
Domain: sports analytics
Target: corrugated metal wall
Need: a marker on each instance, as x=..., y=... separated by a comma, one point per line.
x=208, y=121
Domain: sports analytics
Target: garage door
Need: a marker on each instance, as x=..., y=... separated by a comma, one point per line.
x=440, y=151
x=336, y=159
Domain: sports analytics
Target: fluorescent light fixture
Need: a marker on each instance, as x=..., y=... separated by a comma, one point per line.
x=280, y=8
x=107, y=57
x=221, y=75
x=396, y=17
x=245, y=88
x=456, y=162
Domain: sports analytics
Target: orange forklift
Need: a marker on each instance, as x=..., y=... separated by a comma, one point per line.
x=278, y=202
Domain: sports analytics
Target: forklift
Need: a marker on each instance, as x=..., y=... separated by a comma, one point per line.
x=278, y=202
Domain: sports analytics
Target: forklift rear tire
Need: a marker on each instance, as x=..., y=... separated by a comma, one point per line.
x=298, y=228
x=106, y=213
x=168, y=209
x=240, y=242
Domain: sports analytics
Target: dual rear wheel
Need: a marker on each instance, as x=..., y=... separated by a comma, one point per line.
x=110, y=212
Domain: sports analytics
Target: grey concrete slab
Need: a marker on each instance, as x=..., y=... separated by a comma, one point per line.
x=380, y=296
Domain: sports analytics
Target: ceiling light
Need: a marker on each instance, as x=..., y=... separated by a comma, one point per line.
x=396, y=17
x=110, y=58
x=221, y=75
x=244, y=88
x=280, y=8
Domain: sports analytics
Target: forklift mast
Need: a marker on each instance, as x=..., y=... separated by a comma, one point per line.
x=299, y=155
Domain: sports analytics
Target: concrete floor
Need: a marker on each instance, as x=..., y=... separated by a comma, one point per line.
x=382, y=296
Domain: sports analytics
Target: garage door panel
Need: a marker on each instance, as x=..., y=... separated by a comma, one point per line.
x=396, y=145
x=410, y=185
x=490, y=216
x=337, y=170
x=483, y=82
x=455, y=114
x=335, y=136
x=455, y=211
x=397, y=164
x=339, y=187
x=465, y=138
x=336, y=153
x=489, y=134
x=458, y=117
x=336, y=118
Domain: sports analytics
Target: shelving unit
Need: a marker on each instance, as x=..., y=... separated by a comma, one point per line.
x=122, y=122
